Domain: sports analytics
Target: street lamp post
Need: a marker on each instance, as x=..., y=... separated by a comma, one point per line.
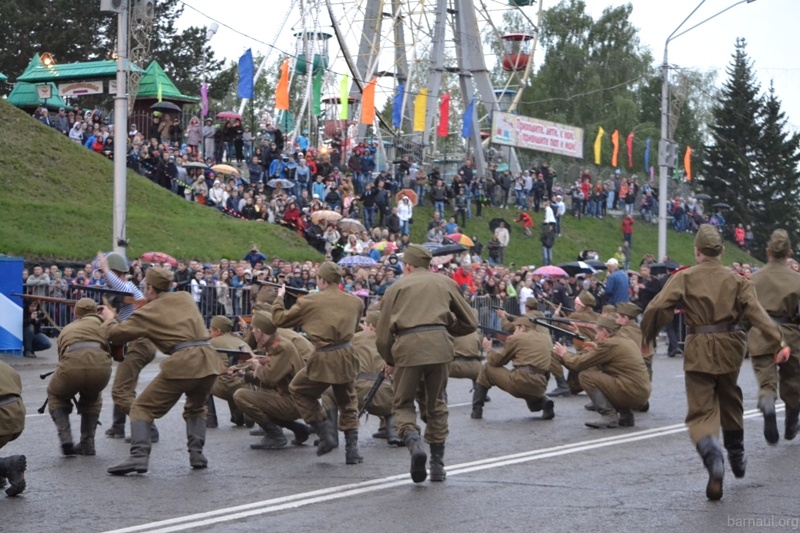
x=664, y=141
x=209, y=34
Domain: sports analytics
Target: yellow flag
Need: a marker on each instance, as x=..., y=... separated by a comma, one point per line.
x=420, y=108
x=343, y=96
x=598, y=145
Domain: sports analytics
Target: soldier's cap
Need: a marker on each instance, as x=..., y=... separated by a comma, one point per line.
x=418, y=256
x=628, y=309
x=330, y=272
x=587, y=299
x=708, y=240
x=158, y=278
x=263, y=321
x=779, y=244
x=116, y=262
x=372, y=317
x=85, y=306
x=222, y=323
x=608, y=308
x=608, y=323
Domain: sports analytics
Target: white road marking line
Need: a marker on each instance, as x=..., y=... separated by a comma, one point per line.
x=303, y=499
x=459, y=404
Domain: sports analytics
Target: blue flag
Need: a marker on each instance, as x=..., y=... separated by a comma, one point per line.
x=466, y=125
x=647, y=155
x=397, y=106
x=246, y=75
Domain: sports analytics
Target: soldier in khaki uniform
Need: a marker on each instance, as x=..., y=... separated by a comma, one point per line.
x=12, y=422
x=419, y=313
x=226, y=384
x=84, y=367
x=369, y=365
x=584, y=305
x=778, y=290
x=529, y=352
x=329, y=319
x=612, y=373
x=626, y=315
x=271, y=404
x=714, y=300
x=468, y=355
x=172, y=321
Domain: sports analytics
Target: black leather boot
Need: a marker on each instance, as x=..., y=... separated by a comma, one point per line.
x=88, y=428
x=237, y=416
x=608, y=415
x=351, y=453
x=327, y=436
x=710, y=451
x=117, y=429
x=418, y=456
x=392, y=438
x=733, y=440
x=766, y=404
x=300, y=430
x=478, y=399
x=140, y=450
x=13, y=468
x=792, y=416
x=195, y=440
x=273, y=438
x=626, y=419
x=562, y=388
x=211, y=414
x=61, y=419
x=437, y=462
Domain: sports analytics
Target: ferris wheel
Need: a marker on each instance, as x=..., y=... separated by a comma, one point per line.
x=416, y=50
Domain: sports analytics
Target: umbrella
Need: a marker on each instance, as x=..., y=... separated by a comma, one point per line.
x=495, y=223
x=159, y=257
x=440, y=260
x=225, y=169
x=325, y=214
x=350, y=224
x=721, y=205
x=166, y=107
x=702, y=196
x=446, y=249
x=195, y=164
x=358, y=260
x=460, y=238
x=385, y=245
x=656, y=269
x=577, y=267
x=229, y=114
x=286, y=184
x=550, y=271
x=407, y=192
x=596, y=264
x=432, y=245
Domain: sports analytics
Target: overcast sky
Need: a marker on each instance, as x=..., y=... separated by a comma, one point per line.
x=770, y=27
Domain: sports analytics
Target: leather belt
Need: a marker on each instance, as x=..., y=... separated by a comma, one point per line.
x=332, y=347
x=467, y=359
x=10, y=398
x=189, y=344
x=419, y=329
x=367, y=377
x=712, y=328
x=86, y=345
x=532, y=369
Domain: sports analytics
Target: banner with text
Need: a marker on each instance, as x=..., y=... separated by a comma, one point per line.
x=535, y=134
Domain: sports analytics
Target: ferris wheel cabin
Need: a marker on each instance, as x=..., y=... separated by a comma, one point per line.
x=314, y=44
x=517, y=51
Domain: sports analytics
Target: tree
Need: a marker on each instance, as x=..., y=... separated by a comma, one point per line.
x=729, y=170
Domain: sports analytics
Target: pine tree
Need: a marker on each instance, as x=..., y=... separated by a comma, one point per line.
x=729, y=170
x=775, y=202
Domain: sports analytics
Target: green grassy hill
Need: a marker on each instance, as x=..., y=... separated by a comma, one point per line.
x=56, y=203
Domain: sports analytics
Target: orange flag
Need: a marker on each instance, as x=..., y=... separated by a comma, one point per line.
x=615, y=144
x=687, y=163
x=368, y=103
x=282, y=90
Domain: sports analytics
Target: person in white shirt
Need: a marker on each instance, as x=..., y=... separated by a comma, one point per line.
x=560, y=209
x=405, y=212
x=501, y=232
x=524, y=293
x=549, y=216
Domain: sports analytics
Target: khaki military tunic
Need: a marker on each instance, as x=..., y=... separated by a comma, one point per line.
x=84, y=371
x=778, y=290
x=303, y=346
x=170, y=319
x=711, y=295
x=329, y=319
x=530, y=356
x=12, y=415
x=468, y=355
x=226, y=384
x=633, y=332
x=434, y=304
x=616, y=368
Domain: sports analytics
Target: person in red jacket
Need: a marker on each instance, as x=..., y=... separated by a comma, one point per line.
x=738, y=235
x=526, y=221
x=627, y=230
x=463, y=276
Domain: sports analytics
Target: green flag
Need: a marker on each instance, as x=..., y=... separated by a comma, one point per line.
x=316, y=103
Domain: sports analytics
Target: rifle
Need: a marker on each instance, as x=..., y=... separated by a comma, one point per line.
x=297, y=291
x=372, y=392
x=567, y=333
x=492, y=333
x=116, y=298
x=235, y=356
x=50, y=299
x=46, y=400
x=567, y=320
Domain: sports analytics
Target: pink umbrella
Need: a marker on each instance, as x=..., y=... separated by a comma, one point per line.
x=229, y=114
x=550, y=271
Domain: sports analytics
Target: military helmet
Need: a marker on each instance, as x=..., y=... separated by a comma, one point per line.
x=116, y=262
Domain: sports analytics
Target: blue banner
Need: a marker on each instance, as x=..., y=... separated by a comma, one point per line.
x=466, y=124
x=397, y=106
x=246, y=75
x=647, y=155
x=11, y=307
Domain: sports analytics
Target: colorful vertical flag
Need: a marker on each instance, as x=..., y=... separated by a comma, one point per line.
x=629, y=145
x=598, y=145
x=615, y=152
x=316, y=94
x=246, y=72
x=397, y=106
x=444, y=116
x=687, y=163
x=159, y=91
x=420, y=108
x=204, y=97
x=466, y=124
x=647, y=154
x=368, y=102
x=282, y=89
x=344, y=98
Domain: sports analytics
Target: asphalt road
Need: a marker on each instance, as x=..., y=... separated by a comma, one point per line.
x=507, y=472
